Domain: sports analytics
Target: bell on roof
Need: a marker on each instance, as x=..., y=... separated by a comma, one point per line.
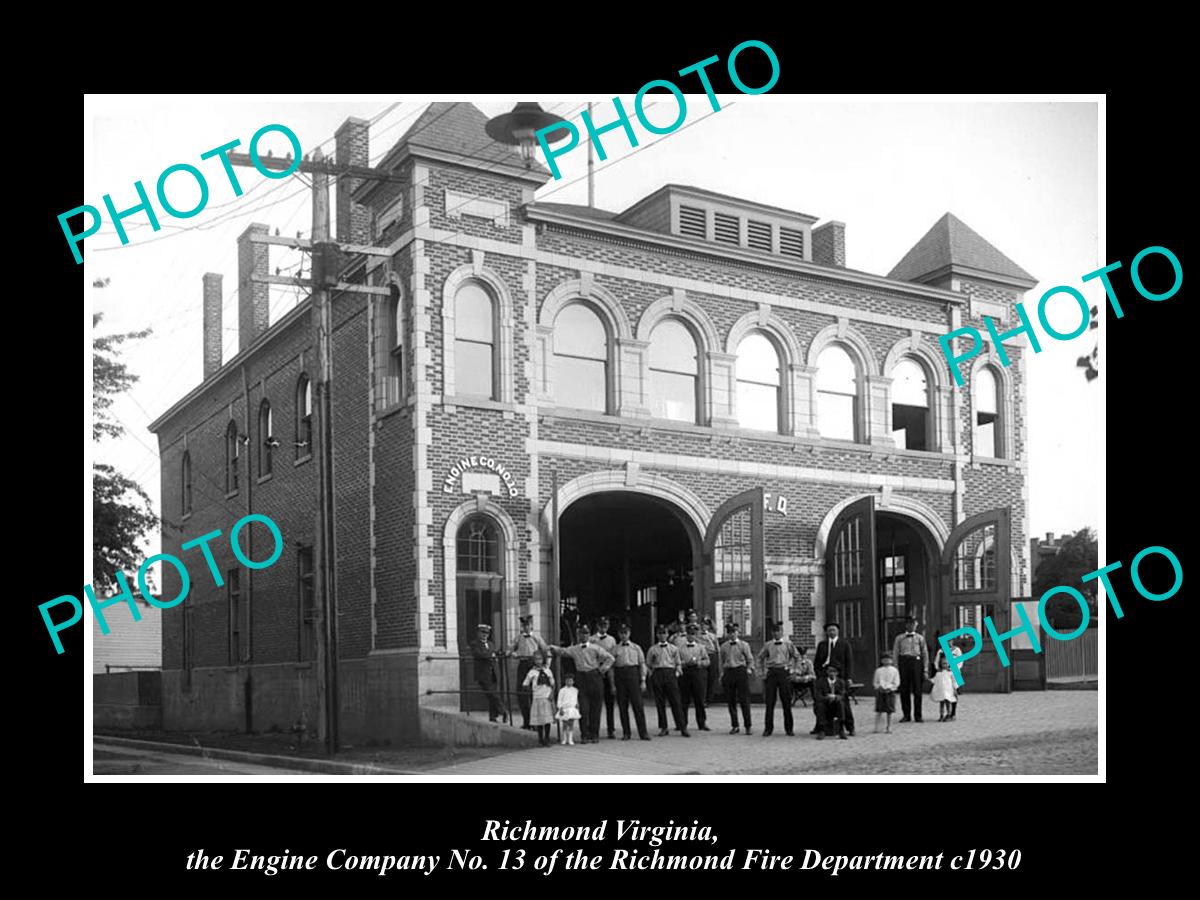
x=519, y=126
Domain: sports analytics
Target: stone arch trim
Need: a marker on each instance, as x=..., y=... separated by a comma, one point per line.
x=499, y=289
x=898, y=504
x=841, y=333
x=688, y=311
x=504, y=336
x=917, y=348
x=770, y=324
x=574, y=290
x=695, y=510
x=508, y=529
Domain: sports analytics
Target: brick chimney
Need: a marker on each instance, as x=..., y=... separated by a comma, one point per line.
x=254, y=299
x=212, y=324
x=352, y=148
x=829, y=244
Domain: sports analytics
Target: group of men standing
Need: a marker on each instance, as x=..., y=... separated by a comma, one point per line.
x=682, y=669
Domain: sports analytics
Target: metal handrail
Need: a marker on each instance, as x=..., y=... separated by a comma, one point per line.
x=504, y=687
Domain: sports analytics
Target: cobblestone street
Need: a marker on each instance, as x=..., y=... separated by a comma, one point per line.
x=1052, y=732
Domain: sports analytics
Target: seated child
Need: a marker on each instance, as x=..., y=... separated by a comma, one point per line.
x=803, y=676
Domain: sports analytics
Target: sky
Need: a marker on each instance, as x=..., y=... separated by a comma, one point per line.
x=1024, y=175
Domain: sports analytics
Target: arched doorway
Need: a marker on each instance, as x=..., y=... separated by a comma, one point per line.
x=906, y=573
x=880, y=567
x=884, y=564
x=479, y=582
x=629, y=556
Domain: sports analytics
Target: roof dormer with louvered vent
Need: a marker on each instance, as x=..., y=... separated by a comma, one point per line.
x=694, y=213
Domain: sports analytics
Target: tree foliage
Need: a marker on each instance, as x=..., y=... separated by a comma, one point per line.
x=1077, y=557
x=121, y=511
x=110, y=377
x=1091, y=363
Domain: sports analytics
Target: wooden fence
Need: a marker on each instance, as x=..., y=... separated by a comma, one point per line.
x=1075, y=660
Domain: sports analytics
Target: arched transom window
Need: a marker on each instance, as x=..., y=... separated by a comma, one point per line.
x=475, y=360
x=580, y=358
x=986, y=399
x=911, y=422
x=837, y=394
x=758, y=383
x=674, y=372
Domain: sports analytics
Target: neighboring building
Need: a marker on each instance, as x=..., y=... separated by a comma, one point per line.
x=734, y=421
x=129, y=645
x=1040, y=551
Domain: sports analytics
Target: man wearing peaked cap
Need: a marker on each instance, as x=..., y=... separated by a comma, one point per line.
x=528, y=643
x=484, y=655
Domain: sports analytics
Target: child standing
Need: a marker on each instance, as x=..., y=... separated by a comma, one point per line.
x=540, y=681
x=568, y=709
x=886, y=682
x=944, y=691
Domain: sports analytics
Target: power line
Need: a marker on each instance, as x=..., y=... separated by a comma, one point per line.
x=635, y=151
x=195, y=469
x=227, y=347
x=208, y=224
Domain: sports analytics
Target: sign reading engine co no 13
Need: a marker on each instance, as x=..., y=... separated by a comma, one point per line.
x=480, y=481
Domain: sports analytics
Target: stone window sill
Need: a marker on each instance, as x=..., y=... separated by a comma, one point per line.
x=477, y=403
x=733, y=432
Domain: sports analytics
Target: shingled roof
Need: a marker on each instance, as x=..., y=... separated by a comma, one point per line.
x=951, y=244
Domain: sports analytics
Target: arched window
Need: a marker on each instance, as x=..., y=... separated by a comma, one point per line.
x=394, y=347
x=475, y=362
x=580, y=359
x=986, y=399
x=837, y=394
x=758, y=383
x=478, y=546
x=266, y=439
x=911, y=422
x=304, y=408
x=233, y=452
x=674, y=372
x=185, y=482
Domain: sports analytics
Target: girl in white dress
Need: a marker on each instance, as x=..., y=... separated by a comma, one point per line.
x=568, y=709
x=944, y=690
x=540, y=681
x=955, y=653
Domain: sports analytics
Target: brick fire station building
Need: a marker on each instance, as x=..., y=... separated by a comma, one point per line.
x=733, y=420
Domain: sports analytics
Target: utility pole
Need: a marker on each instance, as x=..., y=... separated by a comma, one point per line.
x=322, y=262
x=326, y=268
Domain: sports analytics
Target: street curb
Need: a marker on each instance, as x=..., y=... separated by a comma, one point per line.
x=322, y=766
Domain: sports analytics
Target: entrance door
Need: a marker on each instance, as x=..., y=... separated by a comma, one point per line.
x=734, y=568
x=480, y=586
x=975, y=583
x=851, y=592
x=479, y=602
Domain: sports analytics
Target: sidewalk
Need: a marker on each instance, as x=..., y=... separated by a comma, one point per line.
x=989, y=727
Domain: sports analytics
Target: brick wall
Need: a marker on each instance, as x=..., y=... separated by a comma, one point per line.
x=390, y=568
x=288, y=497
